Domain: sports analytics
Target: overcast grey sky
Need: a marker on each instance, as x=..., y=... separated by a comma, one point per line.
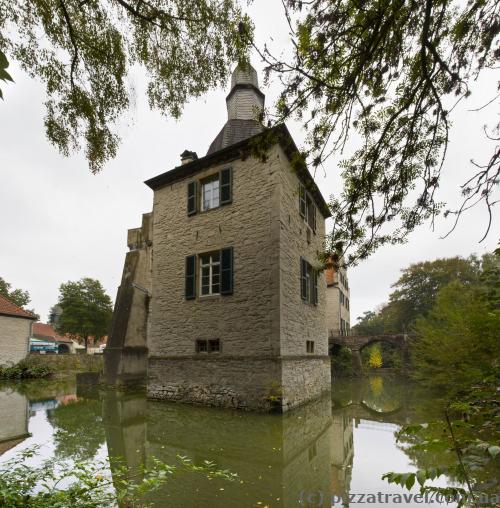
x=58, y=222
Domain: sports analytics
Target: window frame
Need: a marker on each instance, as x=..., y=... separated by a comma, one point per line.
x=310, y=346
x=211, y=264
x=308, y=280
x=307, y=208
x=204, y=182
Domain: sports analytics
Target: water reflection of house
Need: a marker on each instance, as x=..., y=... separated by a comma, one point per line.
x=13, y=419
x=342, y=454
x=278, y=458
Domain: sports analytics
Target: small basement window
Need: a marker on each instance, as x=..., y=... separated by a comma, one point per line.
x=310, y=346
x=201, y=346
x=207, y=346
x=214, y=346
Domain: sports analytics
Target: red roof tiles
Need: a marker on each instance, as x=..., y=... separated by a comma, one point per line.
x=7, y=308
x=46, y=331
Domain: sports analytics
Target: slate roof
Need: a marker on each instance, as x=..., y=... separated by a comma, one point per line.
x=280, y=134
x=8, y=308
x=233, y=132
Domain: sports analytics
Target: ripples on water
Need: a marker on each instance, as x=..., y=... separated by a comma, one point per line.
x=317, y=455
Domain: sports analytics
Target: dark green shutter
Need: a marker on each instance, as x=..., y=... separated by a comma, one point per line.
x=303, y=279
x=302, y=200
x=191, y=198
x=226, y=186
x=190, y=277
x=226, y=266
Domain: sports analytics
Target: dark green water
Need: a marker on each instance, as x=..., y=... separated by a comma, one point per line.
x=318, y=455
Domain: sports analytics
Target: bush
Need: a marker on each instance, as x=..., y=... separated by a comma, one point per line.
x=341, y=363
x=25, y=369
x=89, y=484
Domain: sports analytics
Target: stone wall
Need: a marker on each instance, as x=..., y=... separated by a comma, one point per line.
x=14, y=339
x=264, y=321
x=234, y=382
x=126, y=351
x=242, y=321
x=300, y=321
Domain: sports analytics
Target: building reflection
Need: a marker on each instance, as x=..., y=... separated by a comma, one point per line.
x=280, y=460
x=342, y=455
x=13, y=419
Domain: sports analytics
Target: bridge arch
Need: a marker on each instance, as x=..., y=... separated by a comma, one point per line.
x=356, y=343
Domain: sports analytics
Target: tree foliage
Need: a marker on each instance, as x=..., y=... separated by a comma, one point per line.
x=86, y=310
x=83, y=52
x=18, y=296
x=416, y=290
x=388, y=74
x=457, y=343
x=375, y=360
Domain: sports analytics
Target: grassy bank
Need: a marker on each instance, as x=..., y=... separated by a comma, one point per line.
x=52, y=366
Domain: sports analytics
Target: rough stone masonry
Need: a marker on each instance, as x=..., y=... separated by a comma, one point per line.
x=235, y=307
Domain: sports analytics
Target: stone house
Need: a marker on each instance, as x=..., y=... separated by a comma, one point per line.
x=15, y=332
x=223, y=282
x=338, y=297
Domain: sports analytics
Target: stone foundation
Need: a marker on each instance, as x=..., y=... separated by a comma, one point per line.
x=262, y=384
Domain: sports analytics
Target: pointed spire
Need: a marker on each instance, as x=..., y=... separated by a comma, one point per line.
x=245, y=101
x=245, y=104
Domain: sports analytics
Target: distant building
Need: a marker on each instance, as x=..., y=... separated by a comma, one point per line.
x=44, y=339
x=338, y=298
x=15, y=332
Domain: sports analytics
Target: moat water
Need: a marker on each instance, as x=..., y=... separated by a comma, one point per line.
x=327, y=453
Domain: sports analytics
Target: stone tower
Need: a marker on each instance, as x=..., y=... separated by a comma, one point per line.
x=237, y=312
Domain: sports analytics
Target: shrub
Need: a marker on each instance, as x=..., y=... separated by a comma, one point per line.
x=25, y=369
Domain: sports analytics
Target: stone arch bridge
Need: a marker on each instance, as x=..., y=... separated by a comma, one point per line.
x=356, y=343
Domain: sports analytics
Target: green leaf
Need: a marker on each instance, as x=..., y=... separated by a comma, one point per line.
x=410, y=481
x=5, y=76
x=421, y=477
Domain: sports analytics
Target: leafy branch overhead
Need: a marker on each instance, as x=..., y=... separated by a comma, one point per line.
x=83, y=52
x=387, y=74
x=4, y=75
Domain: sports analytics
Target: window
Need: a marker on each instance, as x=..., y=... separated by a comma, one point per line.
x=342, y=327
x=215, y=273
x=214, y=346
x=307, y=208
x=308, y=282
x=207, y=346
x=210, y=193
x=201, y=346
x=310, y=346
x=347, y=303
x=210, y=274
x=341, y=297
